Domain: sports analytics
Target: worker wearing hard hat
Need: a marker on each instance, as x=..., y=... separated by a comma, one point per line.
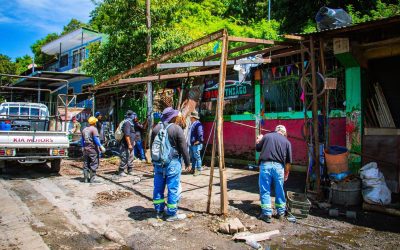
x=91, y=148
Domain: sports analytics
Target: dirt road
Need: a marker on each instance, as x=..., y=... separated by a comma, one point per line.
x=43, y=211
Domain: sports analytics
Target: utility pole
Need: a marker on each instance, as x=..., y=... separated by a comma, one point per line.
x=149, y=84
x=269, y=10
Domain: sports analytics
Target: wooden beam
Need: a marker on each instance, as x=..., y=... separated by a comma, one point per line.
x=138, y=68
x=220, y=124
x=263, y=51
x=210, y=63
x=234, y=50
x=211, y=182
x=250, y=40
x=293, y=37
x=381, y=52
x=315, y=115
x=380, y=43
x=162, y=77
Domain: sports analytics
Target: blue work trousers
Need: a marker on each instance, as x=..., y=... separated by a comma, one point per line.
x=272, y=172
x=195, y=156
x=170, y=176
x=139, y=151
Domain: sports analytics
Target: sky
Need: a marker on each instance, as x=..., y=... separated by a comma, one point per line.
x=22, y=22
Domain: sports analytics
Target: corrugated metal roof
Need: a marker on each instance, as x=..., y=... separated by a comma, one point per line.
x=358, y=26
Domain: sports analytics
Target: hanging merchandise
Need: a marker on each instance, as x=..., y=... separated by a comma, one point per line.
x=273, y=70
x=305, y=64
x=289, y=69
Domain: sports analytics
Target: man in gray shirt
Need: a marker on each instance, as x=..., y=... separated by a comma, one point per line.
x=126, y=145
x=275, y=160
x=169, y=174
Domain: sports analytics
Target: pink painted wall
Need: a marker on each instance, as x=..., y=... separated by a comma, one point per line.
x=239, y=141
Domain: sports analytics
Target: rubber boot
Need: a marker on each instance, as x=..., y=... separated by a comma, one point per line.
x=85, y=175
x=93, y=179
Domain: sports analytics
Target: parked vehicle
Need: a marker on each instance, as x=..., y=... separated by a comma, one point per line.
x=25, y=136
x=110, y=143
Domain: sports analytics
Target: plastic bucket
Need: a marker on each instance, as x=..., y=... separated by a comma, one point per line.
x=336, y=159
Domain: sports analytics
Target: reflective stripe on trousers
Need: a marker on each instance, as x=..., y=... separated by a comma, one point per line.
x=272, y=173
x=169, y=176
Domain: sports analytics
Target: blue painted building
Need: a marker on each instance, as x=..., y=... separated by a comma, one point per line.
x=68, y=53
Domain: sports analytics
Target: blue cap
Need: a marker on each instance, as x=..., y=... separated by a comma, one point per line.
x=97, y=114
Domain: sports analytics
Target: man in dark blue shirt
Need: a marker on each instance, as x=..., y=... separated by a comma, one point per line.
x=195, y=141
x=275, y=160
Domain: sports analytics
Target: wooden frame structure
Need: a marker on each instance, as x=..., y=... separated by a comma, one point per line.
x=290, y=46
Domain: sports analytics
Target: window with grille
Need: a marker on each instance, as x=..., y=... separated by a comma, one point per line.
x=64, y=60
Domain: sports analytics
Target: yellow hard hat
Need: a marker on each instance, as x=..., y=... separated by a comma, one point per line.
x=92, y=120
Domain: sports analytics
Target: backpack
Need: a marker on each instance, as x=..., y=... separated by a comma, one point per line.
x=119, y=134
x=161, y=148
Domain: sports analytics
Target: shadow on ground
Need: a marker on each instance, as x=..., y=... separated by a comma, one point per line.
x=22, y=171
x=140, y=213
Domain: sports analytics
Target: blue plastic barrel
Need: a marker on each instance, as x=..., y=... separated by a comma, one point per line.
x=337, y=150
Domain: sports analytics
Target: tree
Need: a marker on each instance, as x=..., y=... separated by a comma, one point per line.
x=174, y=23
x=74, y=24
x=21, y=63
x=40, y=57
x=6, y=67
x=295, y=16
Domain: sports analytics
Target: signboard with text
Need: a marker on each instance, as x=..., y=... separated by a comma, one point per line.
x=233, y=90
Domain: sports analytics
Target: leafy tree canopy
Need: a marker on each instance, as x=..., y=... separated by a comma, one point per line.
x=6, y=67
x=177, y=22
x=174, y=23
x=21, y=63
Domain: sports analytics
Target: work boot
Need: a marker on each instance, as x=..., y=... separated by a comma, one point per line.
x=196, y=172
x=93, y=179
x=121, y=174
x=280, y=216
x=266, y=218
x=160, y=215
x=176, y=217
x=85, y=175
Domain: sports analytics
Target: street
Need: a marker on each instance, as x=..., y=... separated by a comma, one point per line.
x=46, y=211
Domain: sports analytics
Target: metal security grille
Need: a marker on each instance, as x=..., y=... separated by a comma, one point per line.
x=282, y=91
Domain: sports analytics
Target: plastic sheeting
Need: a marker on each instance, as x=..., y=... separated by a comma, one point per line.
x=328, y=18
x=375, y=190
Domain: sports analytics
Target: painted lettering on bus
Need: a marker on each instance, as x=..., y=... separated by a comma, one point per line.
x=31, y=140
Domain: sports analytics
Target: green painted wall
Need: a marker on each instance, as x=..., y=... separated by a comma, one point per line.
x=354, y=125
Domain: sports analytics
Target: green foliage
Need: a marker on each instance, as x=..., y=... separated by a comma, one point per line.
x=21, y=63
x=6, y=67
x=74, y=24
x=382, y=10
x=174, y=23
x=41, y=58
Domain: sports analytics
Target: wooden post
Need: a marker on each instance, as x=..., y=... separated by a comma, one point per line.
x=149, y=83
x=315, y=113
x=220, y=112
x=326, y=95
x=210, y=185
x=303, y=73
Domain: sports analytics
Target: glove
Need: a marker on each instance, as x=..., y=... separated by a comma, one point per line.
x=103, y=149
